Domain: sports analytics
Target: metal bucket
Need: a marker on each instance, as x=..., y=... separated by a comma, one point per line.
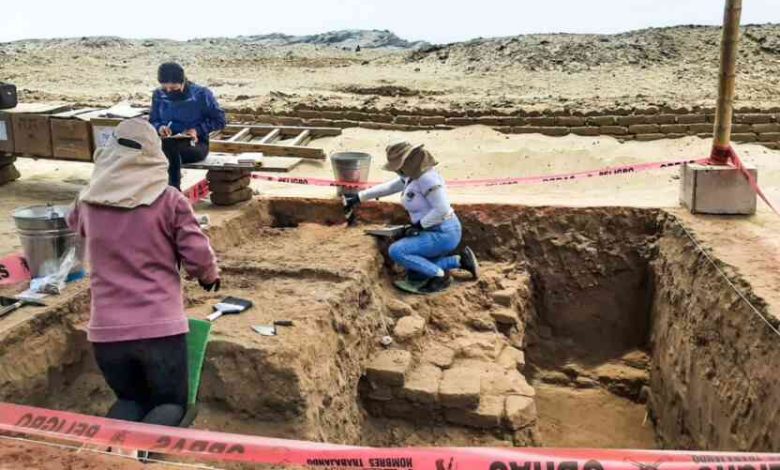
x=46, y=238
x=350, y=167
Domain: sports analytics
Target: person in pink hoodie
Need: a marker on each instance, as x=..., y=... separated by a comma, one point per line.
x=138, y=233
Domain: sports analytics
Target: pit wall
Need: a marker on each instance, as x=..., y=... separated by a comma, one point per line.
x=714, y=362
x=751, y=125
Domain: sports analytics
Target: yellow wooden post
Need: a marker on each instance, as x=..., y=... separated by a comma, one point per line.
x=726, y=87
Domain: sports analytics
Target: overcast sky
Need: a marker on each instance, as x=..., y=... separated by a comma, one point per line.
x=431, y=20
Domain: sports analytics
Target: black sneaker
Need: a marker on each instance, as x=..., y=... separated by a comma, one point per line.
x=436, y=284
x=468, y=261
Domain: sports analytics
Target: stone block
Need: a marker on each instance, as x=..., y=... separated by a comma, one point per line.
x=520, y=412
x=541, y=121
x=505, y=316
x=691, y=118
x=587, y=131
x=413, y=120
x=398, y=309
x=570, y=121
x=674, y=128
x=422, y=384
x=602, y=120
x=649, y=137
x=496, y=380
x=289, y=121
x=439, y=355
x=717, y=190
x=488, y=415
x=744, y=137
x=764, y=128
x=632, y=120
x=379, y=118
x=461, y=121
x=228, y=199
x=702, y=128
x=644, y=129
x=614, y=130
x=511, y=358
x=432, y=120
x=460, y=387
x=389, y=367
x=230, y=186
x=409, y=327
x=753, y=118
x=504, y=298
x=483, y=346
x=662, y=119
x=769, y=137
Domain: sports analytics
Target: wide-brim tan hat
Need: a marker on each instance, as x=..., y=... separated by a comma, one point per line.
x=397, y=154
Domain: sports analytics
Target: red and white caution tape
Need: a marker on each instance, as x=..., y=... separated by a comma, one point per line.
x=208, y=445
x=200, y=190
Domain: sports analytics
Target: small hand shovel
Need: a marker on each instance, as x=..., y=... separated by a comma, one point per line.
x=10, y=304
x=270, y=330
x=229, y=306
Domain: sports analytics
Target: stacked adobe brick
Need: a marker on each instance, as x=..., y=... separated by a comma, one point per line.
x=751, y=125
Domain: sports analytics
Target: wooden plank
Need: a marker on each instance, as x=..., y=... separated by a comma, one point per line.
x=279, y=164
x=36, y=108
x=289, y=130
x=271, y=136
x=302, y=139
x=241, y=135
x=268, y=149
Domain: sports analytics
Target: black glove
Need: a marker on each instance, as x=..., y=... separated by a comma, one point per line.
x=351, y=201
x=413, y=230
x=211, y=287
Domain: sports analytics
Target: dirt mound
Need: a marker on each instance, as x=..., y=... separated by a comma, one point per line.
x=577, y=52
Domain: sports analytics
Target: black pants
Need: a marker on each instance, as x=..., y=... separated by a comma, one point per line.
x=149, y=378
x=181, y=151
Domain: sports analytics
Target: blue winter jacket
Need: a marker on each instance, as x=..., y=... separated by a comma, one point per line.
x=197, y=110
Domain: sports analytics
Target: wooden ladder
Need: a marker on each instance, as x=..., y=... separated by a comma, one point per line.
x=274, y=141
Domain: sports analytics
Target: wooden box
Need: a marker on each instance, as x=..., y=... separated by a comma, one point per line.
x=31, y=130
x=71, y=135
x=6, y=134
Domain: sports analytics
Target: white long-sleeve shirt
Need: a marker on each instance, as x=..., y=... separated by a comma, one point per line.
x=425, y=198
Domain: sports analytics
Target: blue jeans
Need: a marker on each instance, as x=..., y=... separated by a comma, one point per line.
x=426, y=253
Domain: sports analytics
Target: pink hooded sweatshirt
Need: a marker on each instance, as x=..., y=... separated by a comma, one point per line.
x=134, y=255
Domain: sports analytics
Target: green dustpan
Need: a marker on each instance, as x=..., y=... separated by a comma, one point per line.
x=197, y=339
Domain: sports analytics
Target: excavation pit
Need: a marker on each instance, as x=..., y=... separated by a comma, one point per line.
x=590, y=327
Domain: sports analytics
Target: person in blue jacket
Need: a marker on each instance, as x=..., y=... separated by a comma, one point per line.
x=180, y=107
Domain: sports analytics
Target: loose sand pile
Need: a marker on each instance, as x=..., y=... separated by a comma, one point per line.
x=668, y=66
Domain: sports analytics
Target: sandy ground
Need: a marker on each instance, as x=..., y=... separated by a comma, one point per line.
x=618, y=422
x=16, y=455
x=667, y=66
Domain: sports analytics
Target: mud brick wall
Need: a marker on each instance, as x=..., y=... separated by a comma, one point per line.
x=751, y=125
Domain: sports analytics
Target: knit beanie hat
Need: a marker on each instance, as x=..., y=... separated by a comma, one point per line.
x=170, y=72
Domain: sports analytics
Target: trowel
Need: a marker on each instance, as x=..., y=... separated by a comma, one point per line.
x=392, y=232
x=12, y=304
x=270, y=330
x=229, y=306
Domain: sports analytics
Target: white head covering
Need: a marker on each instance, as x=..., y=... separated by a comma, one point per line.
x=127, y=177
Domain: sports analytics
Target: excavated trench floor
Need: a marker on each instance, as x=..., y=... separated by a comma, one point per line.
x=563, y=342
